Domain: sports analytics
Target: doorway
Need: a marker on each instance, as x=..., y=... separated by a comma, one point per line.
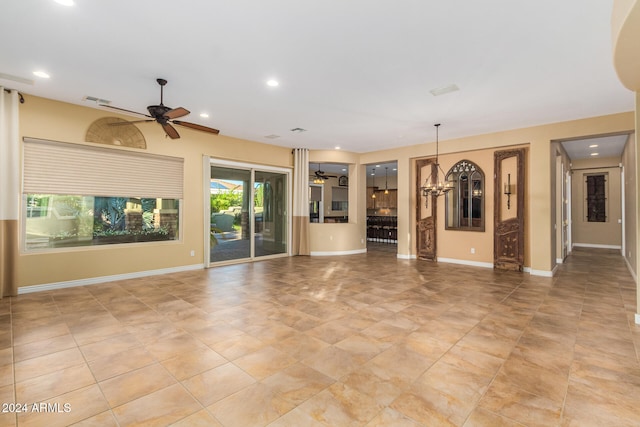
x=248, y=212
x=382, y=207
x=594, y=194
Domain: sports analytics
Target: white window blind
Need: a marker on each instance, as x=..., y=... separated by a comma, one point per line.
x=51, y=167
x=316, y=194
x=339, y=194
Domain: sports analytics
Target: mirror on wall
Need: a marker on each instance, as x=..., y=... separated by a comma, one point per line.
x=328, y=192
x=464, y=208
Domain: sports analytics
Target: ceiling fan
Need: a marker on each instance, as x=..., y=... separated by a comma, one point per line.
x=165, y=116
x=320, y=174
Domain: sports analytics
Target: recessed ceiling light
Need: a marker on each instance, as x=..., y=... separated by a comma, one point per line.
x=377, y=166
x=41, y=74
x=593, y=145
x=337, y=147
x=344, y=169
x=272, y=83
x=204, y=115
x=65, y=2
x=395, y=169
x=595, y=154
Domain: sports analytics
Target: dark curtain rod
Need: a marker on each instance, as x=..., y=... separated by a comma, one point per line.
x=19, y=95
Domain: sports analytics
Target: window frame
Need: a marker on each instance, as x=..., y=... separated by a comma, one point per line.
x=593, y=199
x=62, y=169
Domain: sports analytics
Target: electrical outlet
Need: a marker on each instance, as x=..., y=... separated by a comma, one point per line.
x=193, y=253
x=473, y=250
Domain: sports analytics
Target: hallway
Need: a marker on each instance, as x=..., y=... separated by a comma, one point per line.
x=366, y=340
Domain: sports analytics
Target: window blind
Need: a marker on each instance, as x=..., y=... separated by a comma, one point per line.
x=316, y=194
x=51, y=167
x=339, y=194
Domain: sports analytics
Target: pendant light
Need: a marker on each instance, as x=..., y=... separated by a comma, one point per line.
x=373, y=183
x=386, y=180
x=436, y=185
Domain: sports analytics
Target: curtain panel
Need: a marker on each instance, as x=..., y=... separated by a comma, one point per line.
x=9, y=191
x=300, y=245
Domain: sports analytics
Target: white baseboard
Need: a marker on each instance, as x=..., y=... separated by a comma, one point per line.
x=637, y=318
x=105, y=279
x=490, y=265
x=542, y=273
x=336, y=253
x=404, y=256
x=595, y=245
x=466, y=262
x=633, y=273
x=559, y=260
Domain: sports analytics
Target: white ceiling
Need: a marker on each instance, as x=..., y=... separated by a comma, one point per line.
x=355, y=74
x=606, y=146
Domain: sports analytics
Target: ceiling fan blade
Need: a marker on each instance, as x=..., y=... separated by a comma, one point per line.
x=170, y=131
x=176, y=112
x=130, y=123
x=196, y=127
x=122, y=109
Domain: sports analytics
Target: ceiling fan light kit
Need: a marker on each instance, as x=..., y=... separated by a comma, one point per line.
x=319, y=176
x=165, y=116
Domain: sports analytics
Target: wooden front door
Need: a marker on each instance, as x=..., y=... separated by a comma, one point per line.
x=508, y=241
x=426, y=208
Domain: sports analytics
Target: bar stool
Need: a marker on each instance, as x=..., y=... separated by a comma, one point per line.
x=394, y=229
x=386, y=229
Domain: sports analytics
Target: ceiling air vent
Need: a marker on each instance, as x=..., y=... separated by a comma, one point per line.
x=444, y=89
x=96, y=100
x=298, y=130
x=272, y=136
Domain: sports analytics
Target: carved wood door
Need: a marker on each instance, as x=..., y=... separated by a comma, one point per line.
x=508, y=240
x=426, y=208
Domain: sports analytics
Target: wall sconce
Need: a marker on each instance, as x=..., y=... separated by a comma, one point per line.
x=507, y=190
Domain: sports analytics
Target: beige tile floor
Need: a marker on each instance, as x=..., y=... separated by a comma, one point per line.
x=363, y=340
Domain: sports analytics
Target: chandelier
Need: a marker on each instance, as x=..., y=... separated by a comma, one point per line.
x=436, y=185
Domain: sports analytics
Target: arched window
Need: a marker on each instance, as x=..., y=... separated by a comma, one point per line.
x=465, y=203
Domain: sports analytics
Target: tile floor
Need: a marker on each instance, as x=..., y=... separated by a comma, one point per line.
x=362, y=340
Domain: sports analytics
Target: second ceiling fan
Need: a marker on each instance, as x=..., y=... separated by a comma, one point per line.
x=165, y=116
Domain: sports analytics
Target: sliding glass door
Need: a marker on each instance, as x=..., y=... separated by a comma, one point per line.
x=270, y=219
x=248, y=212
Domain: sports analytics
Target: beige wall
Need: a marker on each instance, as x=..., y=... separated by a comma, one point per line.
x=540, y=250
x=636, y=208
x=458, y=245
x=625, y=33
x=608, y=233
x=46, y=119
x=631, y=200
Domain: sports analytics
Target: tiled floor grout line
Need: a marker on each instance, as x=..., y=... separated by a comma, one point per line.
x=506, y=358
x=573, y=354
